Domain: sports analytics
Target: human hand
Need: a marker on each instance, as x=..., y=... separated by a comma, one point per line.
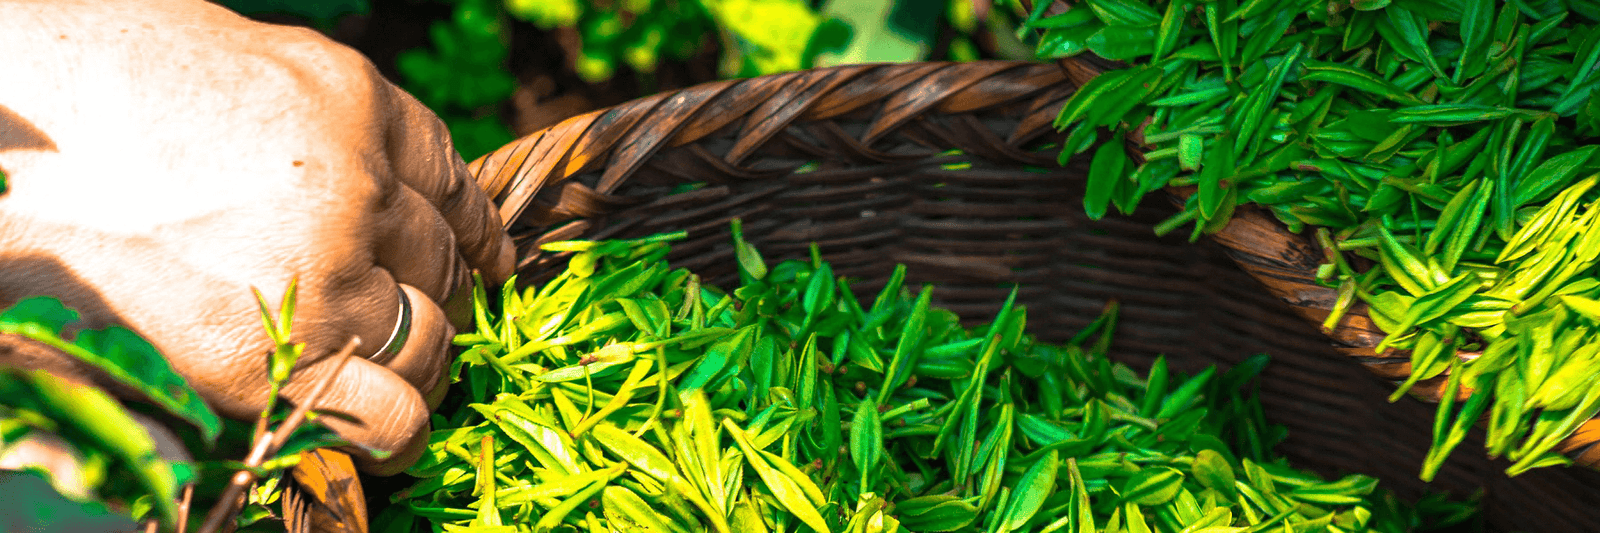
x=166, y=156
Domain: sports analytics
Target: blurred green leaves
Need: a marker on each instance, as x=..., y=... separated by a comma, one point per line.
x=463, y=78
x=463, y=75
x=111, y=453
x=884, y=30
x=120, y=353
x=112, y=445
x=757, y=36
x=546, y=13
x=764, y=36
x=100, y=429
x=471, y=43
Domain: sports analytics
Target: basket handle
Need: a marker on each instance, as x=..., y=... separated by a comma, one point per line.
x=617, y=142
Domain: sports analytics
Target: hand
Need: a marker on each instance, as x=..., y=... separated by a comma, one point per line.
x=165, y=156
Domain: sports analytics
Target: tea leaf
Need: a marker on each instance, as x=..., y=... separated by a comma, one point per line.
x=1211, y=470
x=1152, y=486
x=750, y=262
x=623, y=504
x=550, y=520
x=951, y=515
x=1035, y=486
x=1134, y=13
x=788, y=493
x=761, y=378
x=907, y=349
x=866, y=440
x=1553, y=174
x=1106, y=169
x=1358, y=79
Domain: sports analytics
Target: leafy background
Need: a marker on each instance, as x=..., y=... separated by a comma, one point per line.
x=497, y=69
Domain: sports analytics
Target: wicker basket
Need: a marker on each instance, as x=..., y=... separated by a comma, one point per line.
x=944, y=167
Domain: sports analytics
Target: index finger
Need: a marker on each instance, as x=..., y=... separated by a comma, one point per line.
x=425, y=161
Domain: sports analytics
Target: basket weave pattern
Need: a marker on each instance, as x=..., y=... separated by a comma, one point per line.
x=947, y=168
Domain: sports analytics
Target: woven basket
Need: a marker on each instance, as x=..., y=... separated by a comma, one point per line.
x=948, y=169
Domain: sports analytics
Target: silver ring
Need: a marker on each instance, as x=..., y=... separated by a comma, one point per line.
x=402, y=330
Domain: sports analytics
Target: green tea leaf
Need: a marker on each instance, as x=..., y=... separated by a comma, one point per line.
x=866, y=441
x=1553, y=174
x=1134, y=13
x=1122, y=42
x=1219, y=166
x=1035, y=486
x=1358, y=79
x=1212, y=471
x=1088, y=97
x=622, y=504
x=908, y=349
x=783, y=487
x=1152, y=486
x=1068, y=41
x=951, y=515
x=750, y=263
x=1106, y=169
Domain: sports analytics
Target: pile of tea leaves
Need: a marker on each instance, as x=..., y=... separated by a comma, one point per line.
x=1442, y=149
x=625, y=395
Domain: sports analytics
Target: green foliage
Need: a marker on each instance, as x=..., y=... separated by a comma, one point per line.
x=97, y=425
x=462, y=75
x=285, y=352
x=637, y=33
x=122, y=354
x=267, y=494
x=887, y=31
x=625, y=395
x=1446, y=144
x=114, y=446
x=463, y=78
x=767, y=36
x=757, y=36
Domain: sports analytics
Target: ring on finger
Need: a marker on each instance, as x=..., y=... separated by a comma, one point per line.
x=402, y=330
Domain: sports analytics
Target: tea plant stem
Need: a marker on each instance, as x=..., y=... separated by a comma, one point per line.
x=183, y=508
x=268, y=443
